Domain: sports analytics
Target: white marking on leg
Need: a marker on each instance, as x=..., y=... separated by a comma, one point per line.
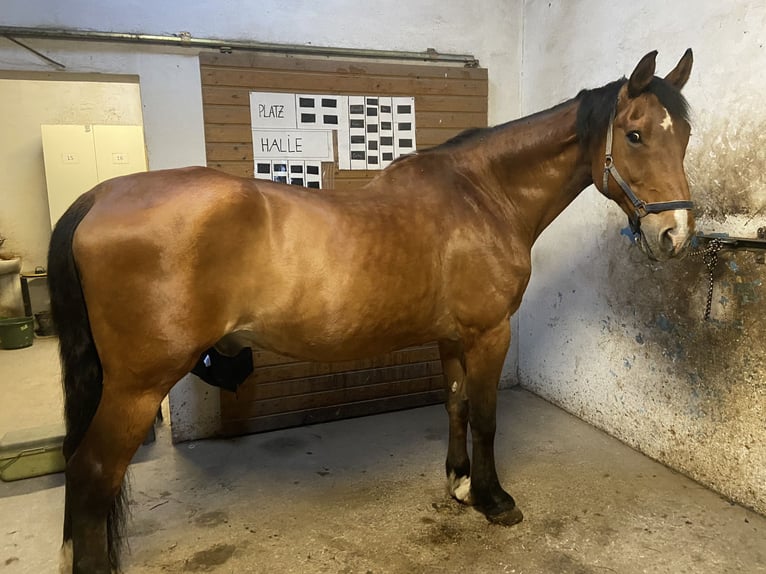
x=463, y=491
x=460, y=487
x=66, y=558
x=667, y=122
x=454, y=386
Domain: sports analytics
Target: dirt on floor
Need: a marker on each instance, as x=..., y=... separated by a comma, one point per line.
x=368, y=496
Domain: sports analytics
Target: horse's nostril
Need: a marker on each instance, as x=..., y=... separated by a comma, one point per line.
x=666, y=240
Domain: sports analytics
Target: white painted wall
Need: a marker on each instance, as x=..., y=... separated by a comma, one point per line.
x=170, y=89
x=491, y=31
x=619, y=341
x=170, y=83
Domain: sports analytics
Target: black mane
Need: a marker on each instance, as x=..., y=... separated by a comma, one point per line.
x=592, y=114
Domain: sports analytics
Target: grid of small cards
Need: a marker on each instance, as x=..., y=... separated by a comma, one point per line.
x=372, y=131
x=294, y=172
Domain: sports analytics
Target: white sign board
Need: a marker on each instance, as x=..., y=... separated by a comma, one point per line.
x=270, y=111
x=292, y=144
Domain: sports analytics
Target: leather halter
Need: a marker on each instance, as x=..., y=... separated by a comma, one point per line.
x=641, y=208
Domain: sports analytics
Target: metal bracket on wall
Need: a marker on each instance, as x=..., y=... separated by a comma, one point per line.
x=708, y=245
x=731, y=243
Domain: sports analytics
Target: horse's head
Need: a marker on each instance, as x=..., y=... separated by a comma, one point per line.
x=641, y=166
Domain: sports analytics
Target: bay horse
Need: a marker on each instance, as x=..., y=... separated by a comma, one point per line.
x=147, y=271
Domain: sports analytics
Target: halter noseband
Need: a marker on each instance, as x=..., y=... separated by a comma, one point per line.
x=641, y=208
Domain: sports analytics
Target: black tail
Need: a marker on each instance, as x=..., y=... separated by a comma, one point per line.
x=81, y=366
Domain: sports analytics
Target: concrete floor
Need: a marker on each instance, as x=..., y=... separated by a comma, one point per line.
x=367, y=496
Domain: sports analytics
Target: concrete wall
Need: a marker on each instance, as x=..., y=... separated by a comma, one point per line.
x=620, y=341
x=170, y=84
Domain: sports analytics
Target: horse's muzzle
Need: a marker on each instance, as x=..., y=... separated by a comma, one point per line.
x=667, y=235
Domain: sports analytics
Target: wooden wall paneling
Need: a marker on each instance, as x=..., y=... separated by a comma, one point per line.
x=284, y=392
x=234, y=427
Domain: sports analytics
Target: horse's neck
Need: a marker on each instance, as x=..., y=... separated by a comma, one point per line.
x=537, y=168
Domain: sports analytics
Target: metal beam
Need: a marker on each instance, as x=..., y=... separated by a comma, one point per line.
x=186, y=40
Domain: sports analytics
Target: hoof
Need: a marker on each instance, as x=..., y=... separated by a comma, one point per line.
x=505, y=517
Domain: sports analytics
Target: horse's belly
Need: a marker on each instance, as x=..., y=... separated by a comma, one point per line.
x=341, y=328
x=304, y=343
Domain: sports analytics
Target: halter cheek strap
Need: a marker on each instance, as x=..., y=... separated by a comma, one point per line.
x=640, y=207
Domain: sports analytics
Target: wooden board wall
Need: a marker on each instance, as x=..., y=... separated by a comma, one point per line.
x=448, y=99
x=283, y=392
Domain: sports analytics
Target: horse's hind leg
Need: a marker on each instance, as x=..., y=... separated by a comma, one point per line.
x=484, y=362
x=458, y=463
x=95, y=472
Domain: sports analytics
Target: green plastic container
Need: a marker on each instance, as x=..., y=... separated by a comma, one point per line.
x=32, y=452
x=17, y=332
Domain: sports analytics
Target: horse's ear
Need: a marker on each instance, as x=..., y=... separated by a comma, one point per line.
x=642, y=75
x=678, y=76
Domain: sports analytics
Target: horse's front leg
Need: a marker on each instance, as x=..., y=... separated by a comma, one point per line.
x=458, y=463
x=484, y=362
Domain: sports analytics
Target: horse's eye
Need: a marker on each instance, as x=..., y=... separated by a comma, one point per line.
x=634, y=137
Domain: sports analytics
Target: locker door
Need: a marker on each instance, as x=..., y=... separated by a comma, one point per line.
x=119, y=150
x=70, y=165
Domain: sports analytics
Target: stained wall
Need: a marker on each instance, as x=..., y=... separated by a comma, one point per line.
x=621, y=341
